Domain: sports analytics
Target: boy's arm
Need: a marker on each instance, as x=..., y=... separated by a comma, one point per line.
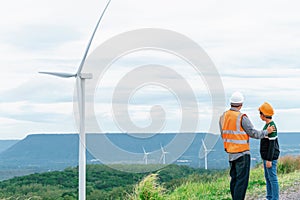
x=272, y=140
x=271, y=149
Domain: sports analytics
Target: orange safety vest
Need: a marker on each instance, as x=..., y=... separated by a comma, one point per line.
x=234, y=136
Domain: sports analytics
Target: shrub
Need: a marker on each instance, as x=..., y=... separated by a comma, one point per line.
x=148, y=189
x=288, y=164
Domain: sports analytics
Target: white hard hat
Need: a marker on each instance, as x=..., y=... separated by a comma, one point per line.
x=237, y=98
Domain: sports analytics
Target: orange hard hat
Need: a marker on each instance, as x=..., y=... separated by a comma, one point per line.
x=266, y=109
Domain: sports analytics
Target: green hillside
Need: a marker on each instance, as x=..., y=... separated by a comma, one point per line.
x=103, y=182
x=171, y=182
x=216, y=186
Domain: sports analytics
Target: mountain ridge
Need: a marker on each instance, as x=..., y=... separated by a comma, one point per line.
x=47, y=152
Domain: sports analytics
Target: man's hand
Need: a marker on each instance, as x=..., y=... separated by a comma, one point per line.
x=268, y=164
x=271, y=129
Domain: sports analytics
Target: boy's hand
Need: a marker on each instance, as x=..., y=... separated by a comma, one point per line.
x=271, y=129
x=268, y=164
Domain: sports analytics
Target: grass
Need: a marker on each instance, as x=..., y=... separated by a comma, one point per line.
x=288, y=172
x=148, y=189
x=216, y=187
x=288, y=164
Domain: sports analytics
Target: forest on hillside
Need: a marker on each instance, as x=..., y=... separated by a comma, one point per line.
x=103, y=182
x=171, y=182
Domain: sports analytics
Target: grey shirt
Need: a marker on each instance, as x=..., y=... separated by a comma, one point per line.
x=250, y=130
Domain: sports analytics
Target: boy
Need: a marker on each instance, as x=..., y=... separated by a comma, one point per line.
x=269, y=151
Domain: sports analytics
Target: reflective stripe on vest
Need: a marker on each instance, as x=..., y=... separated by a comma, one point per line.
x=235, y=139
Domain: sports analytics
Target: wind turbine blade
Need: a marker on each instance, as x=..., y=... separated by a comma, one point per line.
x=144, y=150
x=59, y=74
x=161, y=158
x=204, y=146
x=162, y=149
x=91, y=39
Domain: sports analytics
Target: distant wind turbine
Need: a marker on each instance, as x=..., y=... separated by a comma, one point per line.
x=80, y=80
x=206, y=151
x=145, y=156
x=163, y=155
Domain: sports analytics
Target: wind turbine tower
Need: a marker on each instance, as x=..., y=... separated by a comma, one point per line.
x=163, y=155
x=206, y=151
x=80, y=85
x=145, y=156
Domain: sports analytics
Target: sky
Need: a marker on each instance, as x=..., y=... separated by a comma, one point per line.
x=254, y=46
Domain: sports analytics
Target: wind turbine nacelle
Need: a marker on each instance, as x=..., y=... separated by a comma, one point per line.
x=86, y=75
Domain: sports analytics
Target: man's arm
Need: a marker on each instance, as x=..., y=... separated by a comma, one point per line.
x=251, y=131
x=221, y=121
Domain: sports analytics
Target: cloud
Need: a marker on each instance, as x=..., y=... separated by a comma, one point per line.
x=31, y=112
x=285, y=119
x=21, y=118
x=254, y=45
x=39, y=37
x=262, y=72
x=41, y=91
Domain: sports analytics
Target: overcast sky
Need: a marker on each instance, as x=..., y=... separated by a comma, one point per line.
x=254, y=45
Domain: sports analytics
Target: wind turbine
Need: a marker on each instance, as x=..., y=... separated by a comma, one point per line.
x=163, y=155
x=145, y=156
x=80, y=80
x=206, y=151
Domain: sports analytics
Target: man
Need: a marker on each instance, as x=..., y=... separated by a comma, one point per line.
x=236, y=128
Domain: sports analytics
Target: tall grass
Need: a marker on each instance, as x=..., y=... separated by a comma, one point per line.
x=216, y=186
x=288, y=171
x=208, y=186
x=148, y=189
x=288, y=164
x=214, y=190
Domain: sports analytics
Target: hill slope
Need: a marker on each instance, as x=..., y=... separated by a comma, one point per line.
x=5, y=144
x=217, y=186
x=40, y=153
x=43, y=150
x=103, y=182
